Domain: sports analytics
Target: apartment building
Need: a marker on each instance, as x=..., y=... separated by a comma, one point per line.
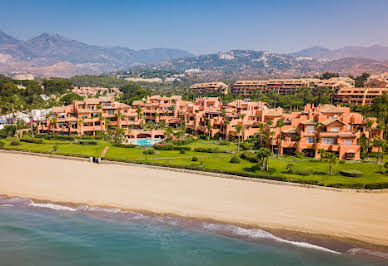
x=332, y=128
x=201, y=88
x=358, y=96
x=280, y=86
x=94, y=91
x=288, y=86
x=160, y=109
x=335, y=83
x=377, y=81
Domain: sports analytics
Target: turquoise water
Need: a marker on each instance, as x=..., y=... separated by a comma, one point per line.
x=41, y=234
x=145, y=142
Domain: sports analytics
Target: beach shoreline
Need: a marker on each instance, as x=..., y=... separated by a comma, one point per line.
x=34, y=181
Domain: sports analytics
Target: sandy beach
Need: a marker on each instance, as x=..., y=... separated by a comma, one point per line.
x=345, y=214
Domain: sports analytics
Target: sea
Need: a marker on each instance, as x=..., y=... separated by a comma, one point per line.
x=33, y=233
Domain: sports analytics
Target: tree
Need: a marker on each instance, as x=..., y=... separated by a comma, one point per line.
x=317, y=125
x=322, y=153
x=360, y=80
x=70, y=98
x=263, y=156
x=279, y=124
x=168, y=132
x=238, y=130
x=331, y=158
x=368, y=126
x=148, y=151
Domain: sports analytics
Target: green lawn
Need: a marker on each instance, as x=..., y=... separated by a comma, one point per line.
x=217, y=161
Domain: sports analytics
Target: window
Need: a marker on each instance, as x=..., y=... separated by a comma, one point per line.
x=328, y=140
x=310, y=139
x=334, y=129
x=348, y=142
x=310, y=129
x=349, y=128
x=111, y=112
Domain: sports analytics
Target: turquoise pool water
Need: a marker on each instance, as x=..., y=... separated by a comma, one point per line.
x=145, y=142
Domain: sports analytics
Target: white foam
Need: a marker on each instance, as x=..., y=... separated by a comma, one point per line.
x=6, y=205
x=257, y=234
x=52, y=206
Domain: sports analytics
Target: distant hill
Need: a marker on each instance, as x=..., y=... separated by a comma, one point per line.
x=376, y=52
x=48, y=50
x=249, y=64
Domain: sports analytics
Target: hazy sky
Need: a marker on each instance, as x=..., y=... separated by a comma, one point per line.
x=202, y=26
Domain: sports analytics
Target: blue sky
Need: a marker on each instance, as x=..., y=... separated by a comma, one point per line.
x=203, y=26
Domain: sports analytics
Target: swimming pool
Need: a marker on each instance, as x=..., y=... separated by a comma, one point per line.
x=144, y=142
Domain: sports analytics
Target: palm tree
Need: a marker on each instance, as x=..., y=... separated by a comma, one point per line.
x=332, y=159
x=118, y=116
x=263, y=155
x=168, y=132
x=238, y=130
x=369, y=124
x=271, y=135
x=80, y=123
x=322, y=153
x=279, y=124
x=317, y=125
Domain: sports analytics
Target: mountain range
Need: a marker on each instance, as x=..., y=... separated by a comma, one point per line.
x=50, y=51
x=376, y=52
x=55, y=55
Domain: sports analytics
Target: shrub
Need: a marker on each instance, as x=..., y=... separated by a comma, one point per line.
x=88, y=142
x=341, y=161
x=169, y=147
x=290, y=168
x=235, y=159
x=182, y=151
x=2, y=144
x=15, y=143
x=377, y=185
x=303, y=172
x=299, y=154
x=149, y=151
x=210, y=150
x=55, y=147
x=351, y=173
x=271, y=170
x=249, y=156
x=245, y=146
x=35, y=141
x=194, y=158
x=124, y=145
x=7, y=131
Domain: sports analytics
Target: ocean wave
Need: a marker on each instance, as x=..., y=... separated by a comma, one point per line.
x=261, y=234
x=355, y=251
x=52, y=206
x=6, y=205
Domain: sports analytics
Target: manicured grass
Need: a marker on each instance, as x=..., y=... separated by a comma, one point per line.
x=219, y=162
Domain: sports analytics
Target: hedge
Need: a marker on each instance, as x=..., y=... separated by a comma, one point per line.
x=88, y=142
x=351, y=173
x=2, y=144
x=124, y=145
x=169, y=147
x=210, y=150
x=15, y=143
x=35, y=141
x=56, y=137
